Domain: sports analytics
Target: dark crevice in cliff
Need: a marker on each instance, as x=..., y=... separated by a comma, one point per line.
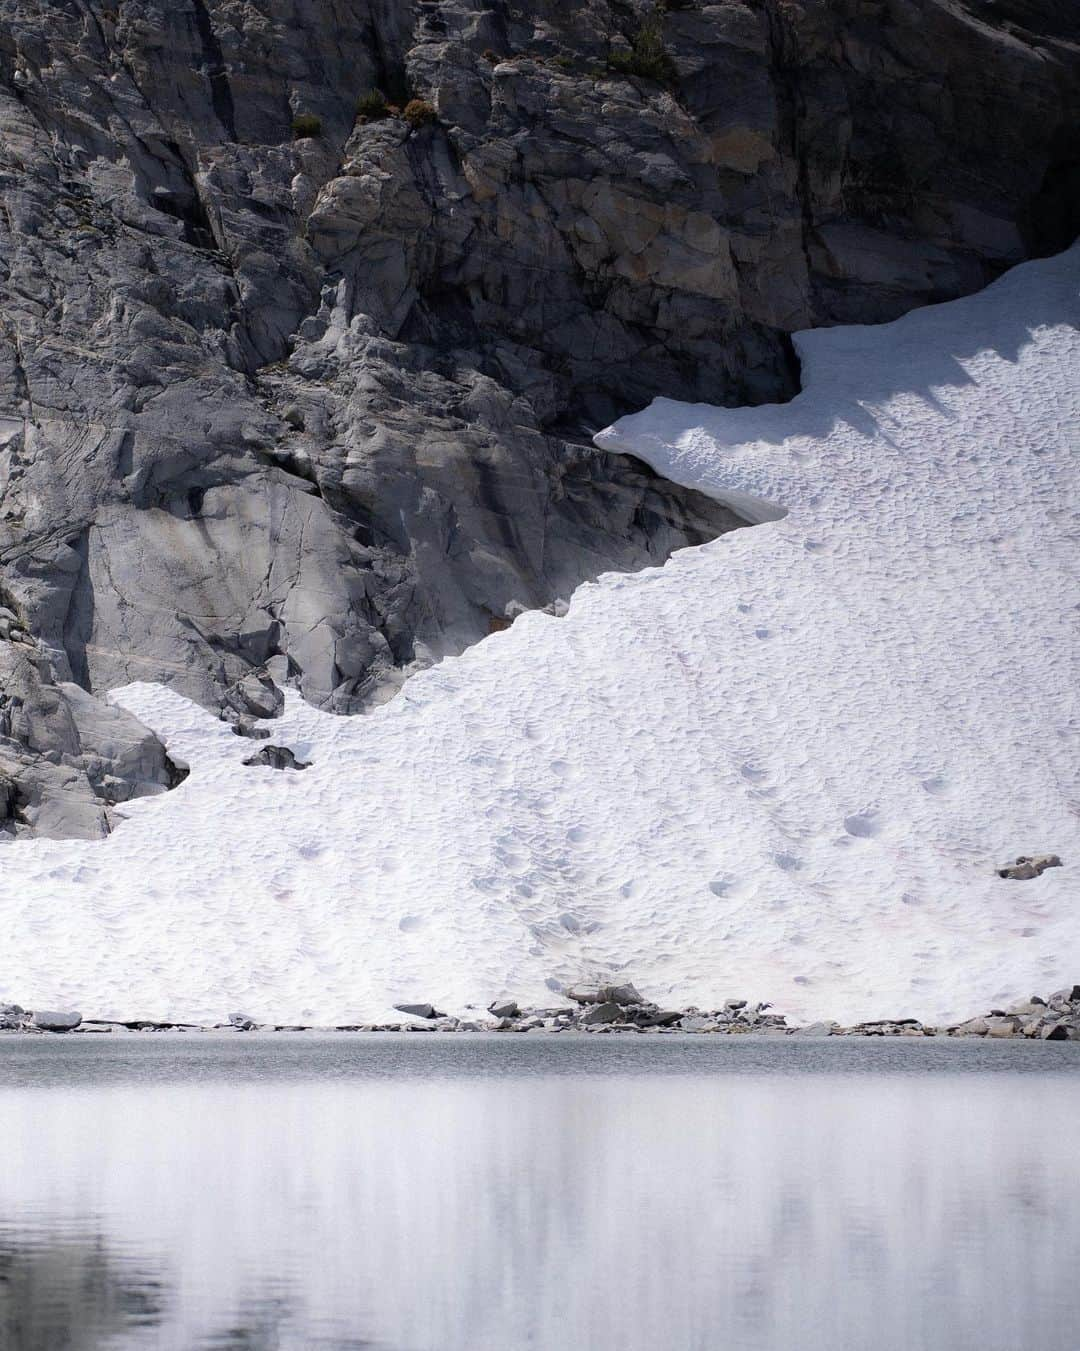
x=79, y=617
x=1051, y=221
x=186, y=205
x=783, y=44
x=215, y=70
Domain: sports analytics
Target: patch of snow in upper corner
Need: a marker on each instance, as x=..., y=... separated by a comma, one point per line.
x=783, y=766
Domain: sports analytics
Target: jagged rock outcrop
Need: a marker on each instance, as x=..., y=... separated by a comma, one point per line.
x=67, y=758
x=280, y=379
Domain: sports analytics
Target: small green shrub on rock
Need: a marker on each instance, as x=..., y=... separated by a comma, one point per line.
x=418, y=113
x=372, y=105
x=305, y=125
x=647, y=57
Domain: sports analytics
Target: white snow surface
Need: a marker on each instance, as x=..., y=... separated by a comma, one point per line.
x=783, y=766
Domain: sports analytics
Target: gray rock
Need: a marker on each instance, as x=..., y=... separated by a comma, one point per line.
x=418, y=1010
x=67, y=759
x=591, y=995
x=50, y=1021
x=1026, y=867
x=508, y=1008
x=816, y=1030
x=249, y=730
x=256, y=696
x=624, y=995
x=890, y=1027
x=609, y=1012
x=353, y=375
x=277, y=757
x=973, y=1027
x=242, y=1022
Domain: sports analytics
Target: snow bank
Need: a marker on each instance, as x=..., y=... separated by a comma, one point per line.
x=783, y=766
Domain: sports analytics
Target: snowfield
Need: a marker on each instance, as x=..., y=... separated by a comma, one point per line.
x=783, y=766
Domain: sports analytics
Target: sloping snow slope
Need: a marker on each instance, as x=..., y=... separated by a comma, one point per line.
x=782, y=766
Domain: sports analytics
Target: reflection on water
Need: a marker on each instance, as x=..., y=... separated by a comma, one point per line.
x=61, y=1290
x=478, y=1195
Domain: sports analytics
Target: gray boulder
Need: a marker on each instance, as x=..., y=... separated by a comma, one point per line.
x=277, y=757
x=507, y=1008
x=255, y=696
x=591, y=995
x=973, y=1027
x=624, y=995
x=608, y=1012
x=248, y=729
x=816, y=1030
x=418, y=1010
x=1024, y=868
x=68, y=761
x=50, y=1021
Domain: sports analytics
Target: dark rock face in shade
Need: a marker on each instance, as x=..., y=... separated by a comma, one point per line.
x=285, y=382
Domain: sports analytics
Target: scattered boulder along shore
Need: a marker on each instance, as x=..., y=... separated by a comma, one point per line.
x=620, y=1009
x=14, y=1018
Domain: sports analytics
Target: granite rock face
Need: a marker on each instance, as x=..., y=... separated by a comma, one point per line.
x=285, y=382
x=67, y=759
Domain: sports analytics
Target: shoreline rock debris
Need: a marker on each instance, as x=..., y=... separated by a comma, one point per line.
x=613, y=1009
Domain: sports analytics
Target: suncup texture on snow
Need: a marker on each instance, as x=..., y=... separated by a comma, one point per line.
x=787, y=764
x=285, y=380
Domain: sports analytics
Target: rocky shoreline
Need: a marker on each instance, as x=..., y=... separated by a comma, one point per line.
x=607, y=1009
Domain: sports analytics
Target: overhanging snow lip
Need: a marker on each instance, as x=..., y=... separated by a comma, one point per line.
x=656, y=452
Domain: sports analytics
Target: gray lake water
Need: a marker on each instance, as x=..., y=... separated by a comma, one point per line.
x=439, y=1193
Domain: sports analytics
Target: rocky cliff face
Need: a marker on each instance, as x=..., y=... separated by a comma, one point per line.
x=288, y=377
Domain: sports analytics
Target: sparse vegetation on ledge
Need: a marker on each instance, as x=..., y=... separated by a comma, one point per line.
x=306, y=125
x=372, y=105
x=647, y=56
x=419, y=113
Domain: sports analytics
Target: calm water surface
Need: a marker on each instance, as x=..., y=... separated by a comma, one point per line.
x=536, y=1193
